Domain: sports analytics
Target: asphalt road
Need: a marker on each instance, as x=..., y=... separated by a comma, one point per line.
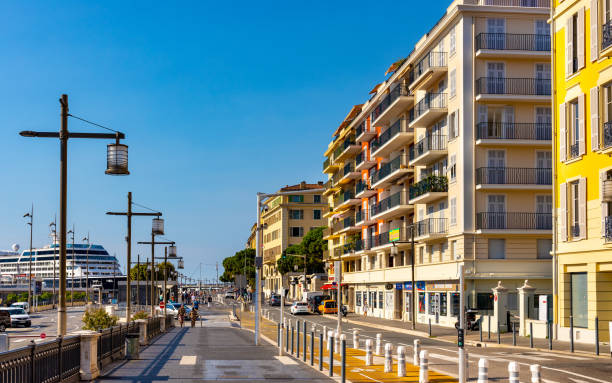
x=556, y=367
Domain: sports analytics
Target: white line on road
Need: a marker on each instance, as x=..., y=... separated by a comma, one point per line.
x=188, y=360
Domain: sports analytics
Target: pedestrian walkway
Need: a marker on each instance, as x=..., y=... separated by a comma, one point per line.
x=213, y=352
x=356, y=370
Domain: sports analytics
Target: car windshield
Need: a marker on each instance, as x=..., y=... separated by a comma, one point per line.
x=17, y=311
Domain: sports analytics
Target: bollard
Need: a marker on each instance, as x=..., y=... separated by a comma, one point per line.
x=514, y=333
x=513, y=372
x=330, y=342
x=571, y=333
x=416, y=351
x=312, y=348
x=298, y=339
x=330, y=339
x=324, y=332
x=342, y=339
x=356, y=339
x=535, y=373
x=480, y=328
x=483, y=371
x=430, y=327
x=305, y=340
x=401, y=361
x=292, y=339
x=278, y=334
x=378, y=344
x=530, y=334
x=320, y=351
x=596, y=336
x=489, y=326
x=467, y=365
x=549, y=327
x=388, y=357
x=498, y=333
x=343, y=361
x=369, y=357
x=336, y=341
x=424, y=367
x=287, y=339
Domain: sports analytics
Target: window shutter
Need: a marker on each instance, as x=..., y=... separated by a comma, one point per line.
x=604, y=205
x=582, y=206
x=594, y=30
x=594, y=118
x=581, y=125
x=580, y=37
x=562, y=133
x=568, y=46
x=563, y=211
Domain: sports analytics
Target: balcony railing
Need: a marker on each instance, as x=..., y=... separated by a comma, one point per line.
x=431, y=60
x=513, y=176
x=429, y=142
x=511, y=41
x=348, y=222
x=326, y=163
x=513, y=131
x=390, y=202
x=399, y=90
x=430, y=101
x=514, y=221
x=511, y=3
x=513, y=86
x=574, y=150
x=360, y=186
x=343, y=197
x=348, y=168
x=388, y=168
x=399, y=126
x=430, y=184
x=359, y=216
x=608, y=231
x=607, y=135
x=360, y=158
x=430, y=226
x=360, y=129
x=606, y=35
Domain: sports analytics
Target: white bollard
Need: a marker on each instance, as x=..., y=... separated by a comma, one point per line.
x=330, y=339
x=535, y=373
x=483, y=371
x=378, y=344
x=336, y=342
x=401, y=361
x=369, y=357
x=513, y=372
x=388, y=357
x=342, y=338
x=356, y=339
x=467, y=365
x=424, y=367
x=416, y=350
x=325, y=333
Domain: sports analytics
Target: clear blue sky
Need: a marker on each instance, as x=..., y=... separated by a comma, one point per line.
x=218, y=100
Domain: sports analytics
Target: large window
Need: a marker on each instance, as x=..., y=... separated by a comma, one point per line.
x=574, y=213
x=296, y=231
x=317, y=199
x=544, y=248
x=358, y=299
x=443, y=304
x=574, y=131
x=497, y=248
x=422, y=303
x=296, y=198
x=296, y=214
x=579, y=299
x=380, y=299
x=434, y=304
x=316, y=214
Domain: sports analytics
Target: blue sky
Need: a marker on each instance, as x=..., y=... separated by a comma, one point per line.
x=218, y=100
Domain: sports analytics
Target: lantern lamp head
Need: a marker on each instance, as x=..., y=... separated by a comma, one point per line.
x=117, y=159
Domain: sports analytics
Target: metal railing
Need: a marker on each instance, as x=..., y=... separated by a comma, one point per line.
x=608, y=229
x=394, y=94
x=360, y=158
x=429, y=226
x=326, y=163
x=574, y=230
x=153, y=327
x=360, y=186
x=359, y=129
x=343, y=197
x=111, y=342
x=513, y=176
x=512, y=41
x=359, y=216
x=396, y=199
x=430, y=101
x=349, y=167
x=607, y=135
x=430, y=184
x=399, y=126
x=431, y=60
x=606, y=34
x=513, y=131
x=513, y=221
x=429, y=142
x=348, y=222
x=389, y=168
x=347, y=142
x=514, y=86
x=574, y=150
x=511, y=3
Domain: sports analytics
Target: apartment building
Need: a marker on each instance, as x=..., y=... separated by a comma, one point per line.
x=286, y=219
x=582, y=77
x=250, y=242
x=453, y=149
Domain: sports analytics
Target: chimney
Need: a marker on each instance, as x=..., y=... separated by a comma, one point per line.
x=320, y=183
x=303, y=185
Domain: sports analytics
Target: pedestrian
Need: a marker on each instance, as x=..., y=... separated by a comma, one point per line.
x=365, y=308
x=181, y=314
x=194, y=317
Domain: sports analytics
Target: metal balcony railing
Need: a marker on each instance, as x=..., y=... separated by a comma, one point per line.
x=343, y=197
x=348, y=168
x=338, y=252
x=396, y=199
x=336, y=177
x=608, y=229
x=399, y=126
x=513, y=176
x=428, y=185
x=431, y=60
x=430, y=226
x=513, y=221
x=513, y=86
x=326, y=163
x=360, y=158
x=388, y=168
x=606, y=34
x=430, y=101
x=574, y=150
x=513, y=131
x=429, y=142
x=607, y=135
x=359, y=129
x=512, y=41
x=394, y=94
x=348, y=222
x=511, y=3
x=574, y=230
x=359, y=216
x=360, y=186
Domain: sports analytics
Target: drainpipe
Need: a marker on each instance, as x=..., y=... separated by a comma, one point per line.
x=474, y=119
x=555, y=263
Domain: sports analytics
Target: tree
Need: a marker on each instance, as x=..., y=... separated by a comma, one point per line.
x=237, y=264
x=311, y=247
x=143, y=274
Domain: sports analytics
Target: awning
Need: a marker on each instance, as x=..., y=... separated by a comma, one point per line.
x=329, y=286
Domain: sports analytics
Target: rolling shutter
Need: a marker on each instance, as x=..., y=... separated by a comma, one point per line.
x=580, y=37
x=581, y=125
x=563, y=211
x=582, y=207
x=594, y=30
x=562, y=133
x=594, y=118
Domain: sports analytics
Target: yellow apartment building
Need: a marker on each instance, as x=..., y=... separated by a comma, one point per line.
x=250, y=243
x=454, y=146
x=582, y=79
x=286, y=219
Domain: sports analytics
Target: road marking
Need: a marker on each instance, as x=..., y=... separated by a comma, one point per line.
x=443, y=357
x=286, y=360
x=19, y=340
x=549, y=381
x=511, y=355
x=188, y=360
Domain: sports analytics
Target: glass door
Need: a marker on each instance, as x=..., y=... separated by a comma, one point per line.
x=542, y=35
x=496, y=30
x=542, y=85
x=544, y=212
x=543, y=123
x=496, y=208
x=496, y=167
x=544, y=168
x=495, y=78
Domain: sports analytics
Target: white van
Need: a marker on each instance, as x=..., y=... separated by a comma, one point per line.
x=23, y=305
x=311, y=294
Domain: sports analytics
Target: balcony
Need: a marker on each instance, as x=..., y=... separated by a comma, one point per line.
x=512, y=89
x=395, y=204
x=355, y=246
x=492, y=45
x=387, y=238
x=362, y=162
x=430, y=228
x=348, y=173
x=391, y=106
x=364, y=132
x=428, y=150
x=574, y=151
x=608, y=231
x=396, y=136
x=606, y=35
x=390, y=171
x=428, y=70
x=429, y=109
x=362, y=217
x=607, y=135
x=348, y=225
x=511, y=133
x=511, y=3
x=362, y=190
x=501, y=178
x=518, y=222
x=345, y=199
x=347, y=149
x=329, y=166
x=429, y=189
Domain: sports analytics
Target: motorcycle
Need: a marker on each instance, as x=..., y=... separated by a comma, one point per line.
x=471, y=323
x=343, y=311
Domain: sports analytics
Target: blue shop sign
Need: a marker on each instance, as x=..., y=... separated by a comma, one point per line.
x=398, y=286
x=419, y=284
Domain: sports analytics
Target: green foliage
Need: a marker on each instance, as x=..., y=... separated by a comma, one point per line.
x=23, y=297
x=98, y=319
x=141, y=273
x=79, y=296
x=46, y=296
x=11, y=298
x=312, y=246
x=140, y=315
x=236, y=264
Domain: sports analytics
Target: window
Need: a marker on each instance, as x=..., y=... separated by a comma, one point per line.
x=380, y=300
x=421, y=254
x=358, y=299
x=606, y=115
x=497, y=248
x=296, y=198
x=296, y=214
x=574, y=215
x=572, y=115
x=453, y=211
x=574, y=128
x=512, y=301
x=574, y=38
x=421, y=303
x=452, y=41
x=453, y=250
x=296, y=231
x=453, y=83
x=544, y=248
x=579, y=299
x=317, y=199
x=484, y=301
x=452, y=170
x=455, y=304
x=453, y=125
x=574, y=47
x=316, y=214
x=434, y=304
x=443, y=303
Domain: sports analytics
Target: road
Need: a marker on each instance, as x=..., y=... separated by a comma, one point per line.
x=556, y=367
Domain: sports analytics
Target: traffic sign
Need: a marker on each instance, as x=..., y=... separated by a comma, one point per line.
x=43, y=335
x=162, y=304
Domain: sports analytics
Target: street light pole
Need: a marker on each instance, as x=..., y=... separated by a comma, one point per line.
x=165, y=277
x=72, y=268
x=31, y=223
x=137, y=282
x=54, y=232
x=87, y=269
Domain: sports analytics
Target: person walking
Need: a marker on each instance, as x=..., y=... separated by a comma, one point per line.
x=194, y=317
x=181, y=314
x=365, y=308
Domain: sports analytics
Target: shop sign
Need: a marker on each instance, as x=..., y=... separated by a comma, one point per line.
x=394, y=235
x=441, y=286
x=419, y=284
x=389, y=286
x=398, y=286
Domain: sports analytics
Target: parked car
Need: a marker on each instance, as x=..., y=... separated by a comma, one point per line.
x=315, y=301
x=170, y=309
x=23, y=305
x=299, y=308
x=19, y=317
x=328, y=307
x=275, y=300
x=230, y=295
x=5, y=320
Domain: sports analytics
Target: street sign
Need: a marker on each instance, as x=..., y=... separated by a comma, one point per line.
x=460, y=337
x=43, y=335
x=162, y=304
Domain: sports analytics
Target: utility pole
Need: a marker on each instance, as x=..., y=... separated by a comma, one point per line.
x=31, y=223
x=137, y=283
x=217, y=265
x=72, y=268
x=55, y=243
